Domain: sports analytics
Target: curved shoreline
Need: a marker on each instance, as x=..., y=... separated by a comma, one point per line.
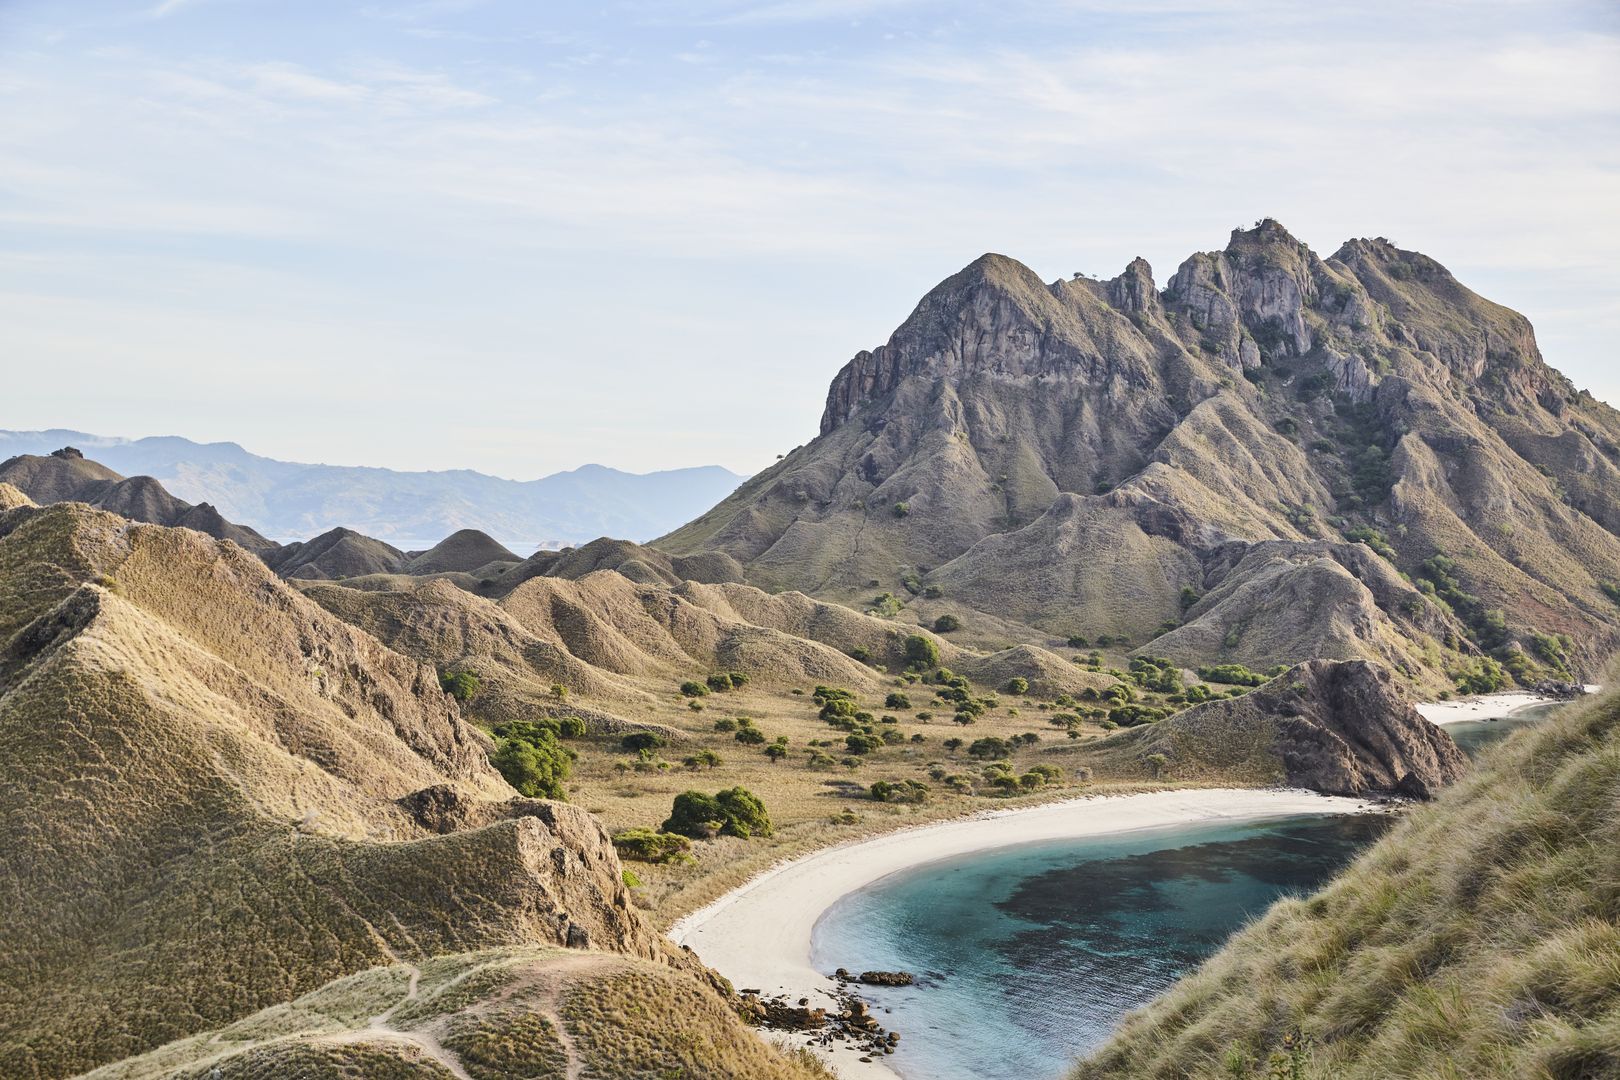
x=759, y=935
x=1486, y=706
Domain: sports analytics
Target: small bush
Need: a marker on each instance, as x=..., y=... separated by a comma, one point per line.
x=637, y=741
x=694, y=689
x=703, y=759
x=897, y=701
x=1017, y=685
x=946, y=624
x=461, y=685
x=734, y=812
x=861, y=742
x=990, y=747
x=535, y=767
x=749, y=736
x=1231, y=675
x=921, y=652
x=646, y=845
x=899, y=791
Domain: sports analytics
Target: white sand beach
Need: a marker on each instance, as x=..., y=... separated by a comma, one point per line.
x=759, y=935
x=1484, y=706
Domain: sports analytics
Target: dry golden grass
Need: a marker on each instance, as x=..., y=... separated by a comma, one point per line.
x=497, y=1014
x=1480, y=938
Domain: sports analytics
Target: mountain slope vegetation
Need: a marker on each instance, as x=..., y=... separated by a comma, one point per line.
x=1479, y=938
x=1276, y=458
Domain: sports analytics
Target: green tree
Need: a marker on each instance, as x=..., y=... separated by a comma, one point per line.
x=536, y=768
x=733, y=812
x=461, y=685
x=921, y=652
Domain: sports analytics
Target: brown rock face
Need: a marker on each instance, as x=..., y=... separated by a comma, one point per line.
x=1345, y=729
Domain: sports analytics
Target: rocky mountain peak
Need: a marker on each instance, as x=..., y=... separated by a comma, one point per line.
x=1133, y=291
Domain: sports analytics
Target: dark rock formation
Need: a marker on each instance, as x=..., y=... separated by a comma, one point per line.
x=1338, y=727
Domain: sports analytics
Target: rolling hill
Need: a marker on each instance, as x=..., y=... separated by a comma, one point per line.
x=241, y=826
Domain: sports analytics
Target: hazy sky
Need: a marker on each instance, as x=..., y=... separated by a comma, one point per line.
x=519, y=236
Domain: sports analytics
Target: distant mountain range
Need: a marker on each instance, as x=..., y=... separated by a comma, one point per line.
x=287, y=500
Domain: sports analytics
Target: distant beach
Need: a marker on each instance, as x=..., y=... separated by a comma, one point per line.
x=1485, y=706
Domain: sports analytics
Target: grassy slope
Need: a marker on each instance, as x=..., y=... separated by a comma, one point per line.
x=1478, y=939
x=540, y=1014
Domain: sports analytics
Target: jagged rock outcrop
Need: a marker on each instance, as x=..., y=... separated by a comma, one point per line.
x=1341, y=728
x=1080, y=457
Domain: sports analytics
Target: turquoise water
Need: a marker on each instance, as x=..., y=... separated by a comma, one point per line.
x=1027, y=957
x=1473, y=736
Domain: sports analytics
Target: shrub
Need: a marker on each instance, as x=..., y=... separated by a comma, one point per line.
x=897, y=701
x=921, y=652
x=1157, y=763
x=933, y=592
x=1017, y=685
x=776, y=752
x=946, y=624
x=1483, y=676
x=572, y=727
x=461, y=685
x=725, y=725
x=1612, y=591
x=1374, y=539
x=628, y=876
x=559, y=691
x=694, y=689
x=899, y=791
x=838, y=709
x=733, y=812
x=1231, y=675
x=703, y=759
x=637, y=741
x=901, y=509
x=1132, y=715
x=535, y=766
x=860, y=655
x=990, y=747
x=821, y=760
x=749, y=736
x=1078, y=642
x=645, y=845
x=719, y=682
x=861, y=742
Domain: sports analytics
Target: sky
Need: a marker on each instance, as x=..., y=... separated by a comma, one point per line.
x=518, y=237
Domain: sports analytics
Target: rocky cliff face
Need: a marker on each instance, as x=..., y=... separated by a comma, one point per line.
x=1082, y=456
x=1338, y=727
